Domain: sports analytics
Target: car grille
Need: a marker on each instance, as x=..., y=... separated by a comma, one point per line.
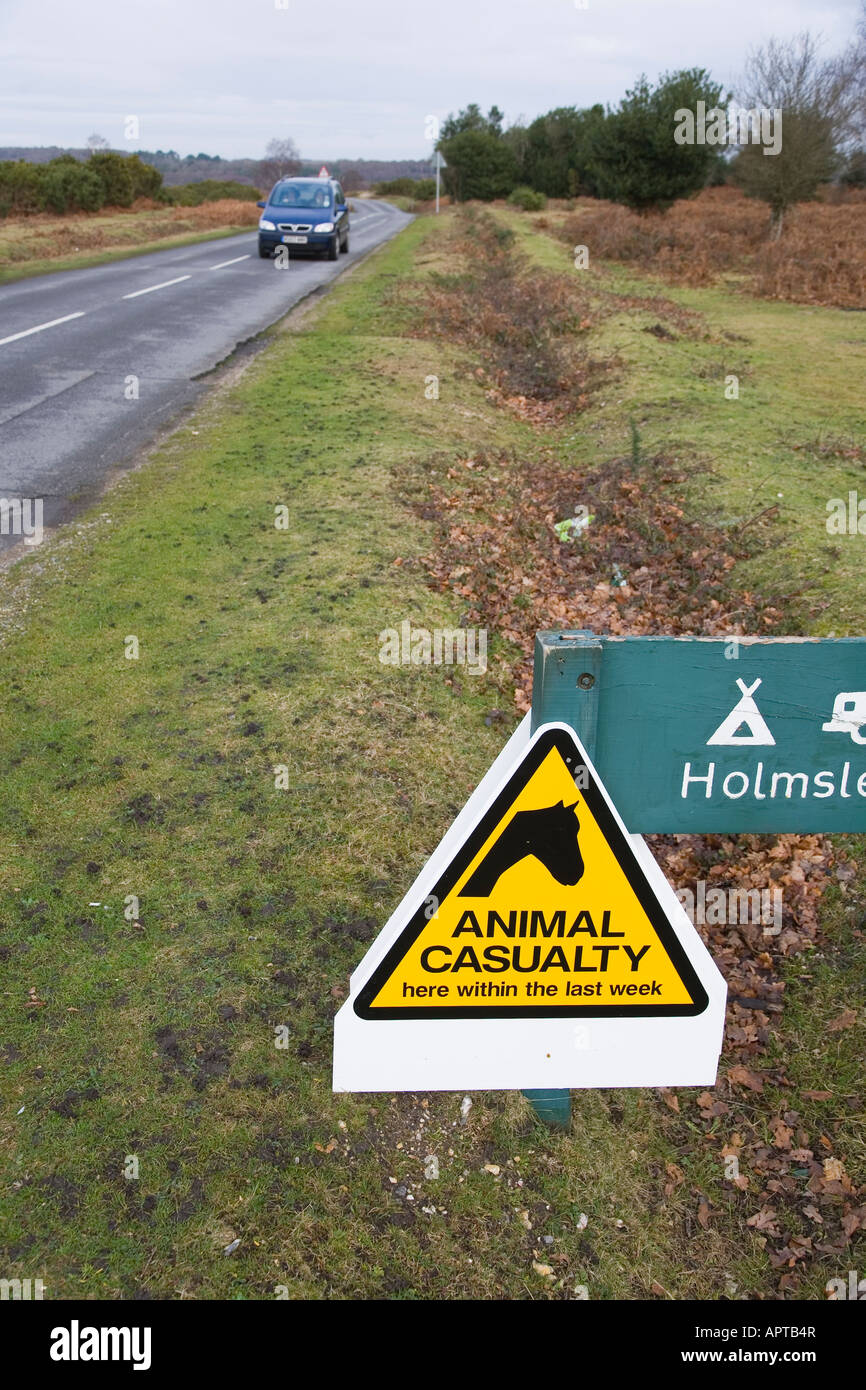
x=295, y=226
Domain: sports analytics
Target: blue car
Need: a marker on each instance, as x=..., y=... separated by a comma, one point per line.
x=305, y=215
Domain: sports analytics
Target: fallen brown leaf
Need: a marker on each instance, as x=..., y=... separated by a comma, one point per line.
x=846, y=1019
x=741, y=1076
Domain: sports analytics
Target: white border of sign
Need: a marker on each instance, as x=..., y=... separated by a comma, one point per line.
x=527, y=1053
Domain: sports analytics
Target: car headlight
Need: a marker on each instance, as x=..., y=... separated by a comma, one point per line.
x=266, y=226
x=324, y=227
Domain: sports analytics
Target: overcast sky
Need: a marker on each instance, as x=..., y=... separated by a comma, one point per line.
x=351, y=78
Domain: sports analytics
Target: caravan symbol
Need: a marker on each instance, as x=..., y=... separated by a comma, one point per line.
x=849, y=714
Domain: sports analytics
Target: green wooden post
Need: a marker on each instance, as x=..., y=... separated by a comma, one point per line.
x=565, y=687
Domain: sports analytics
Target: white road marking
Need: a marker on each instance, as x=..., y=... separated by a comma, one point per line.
x=223, y=264
x=150, y=289
x=40, y=326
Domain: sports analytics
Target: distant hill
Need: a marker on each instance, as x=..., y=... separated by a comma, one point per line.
x=177, y=169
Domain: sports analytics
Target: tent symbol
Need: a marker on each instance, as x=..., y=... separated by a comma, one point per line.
x=745, y=712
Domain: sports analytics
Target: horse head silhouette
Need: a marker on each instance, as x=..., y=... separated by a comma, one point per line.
x=550, y=834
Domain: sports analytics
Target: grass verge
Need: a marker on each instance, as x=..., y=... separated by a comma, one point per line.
x=41, y=245
x=791, y=439
x=169, y=912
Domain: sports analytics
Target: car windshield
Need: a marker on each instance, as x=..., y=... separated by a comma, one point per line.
x=301, y=195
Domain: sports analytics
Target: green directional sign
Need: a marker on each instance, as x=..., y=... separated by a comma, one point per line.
x=697, y=734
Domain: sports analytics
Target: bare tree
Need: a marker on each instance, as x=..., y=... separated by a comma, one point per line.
x=281, y=161
x=96, y=142
x=859, y=78
x=817, y=101
x=849, y=70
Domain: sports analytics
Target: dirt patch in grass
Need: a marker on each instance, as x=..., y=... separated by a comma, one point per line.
x=528, y=326
x=640, y=565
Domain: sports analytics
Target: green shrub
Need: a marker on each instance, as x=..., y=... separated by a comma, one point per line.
x=146, y=180
x=479, y=165
x=85, y=189
x=190, y=195
x=636, y=160
x=70, y=187
x=419, y=189
x=401, y=188
x=67, y=184
x=116, y=175
x=53, y=194
x=527, y=198
x=19, y=187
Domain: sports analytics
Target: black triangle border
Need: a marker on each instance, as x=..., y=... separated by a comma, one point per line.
x=561, y=740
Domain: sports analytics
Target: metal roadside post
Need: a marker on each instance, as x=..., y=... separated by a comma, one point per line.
x=565, y=689
x=439, y=164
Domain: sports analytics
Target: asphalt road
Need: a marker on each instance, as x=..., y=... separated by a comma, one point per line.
x=70, y=344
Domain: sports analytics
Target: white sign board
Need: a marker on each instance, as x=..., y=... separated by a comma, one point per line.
x=541, y=946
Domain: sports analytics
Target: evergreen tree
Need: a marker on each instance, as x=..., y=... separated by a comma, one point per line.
x=636, y=160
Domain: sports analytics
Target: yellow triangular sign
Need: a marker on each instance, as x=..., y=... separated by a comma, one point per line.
x=544, y=911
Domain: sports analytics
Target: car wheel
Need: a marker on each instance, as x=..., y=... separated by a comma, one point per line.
x=344, y=248
x=334, y=247
x=264, y=253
